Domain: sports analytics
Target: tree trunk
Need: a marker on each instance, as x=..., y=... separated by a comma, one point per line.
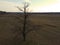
x=24, y=25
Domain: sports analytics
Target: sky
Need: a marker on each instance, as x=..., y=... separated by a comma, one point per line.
x=35, y=5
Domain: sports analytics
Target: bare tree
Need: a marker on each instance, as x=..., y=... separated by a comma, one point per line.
x=26, y=5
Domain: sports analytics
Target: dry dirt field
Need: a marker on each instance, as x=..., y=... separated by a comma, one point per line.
x=41, y=29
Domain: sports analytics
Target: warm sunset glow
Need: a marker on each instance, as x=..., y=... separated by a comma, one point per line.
x=35, y=5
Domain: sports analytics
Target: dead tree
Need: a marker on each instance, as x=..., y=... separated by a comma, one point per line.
x=26, y=4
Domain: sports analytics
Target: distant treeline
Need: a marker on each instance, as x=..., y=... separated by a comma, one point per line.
x=2, y=12
x=32, y=12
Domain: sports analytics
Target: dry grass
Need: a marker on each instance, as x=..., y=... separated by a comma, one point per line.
x=40, y=30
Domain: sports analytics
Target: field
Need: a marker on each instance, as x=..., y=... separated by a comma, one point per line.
x=41, y=29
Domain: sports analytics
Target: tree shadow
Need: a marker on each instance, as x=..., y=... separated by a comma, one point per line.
x=34, y=28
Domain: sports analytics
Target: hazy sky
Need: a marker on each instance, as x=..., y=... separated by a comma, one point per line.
x=35, y=5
